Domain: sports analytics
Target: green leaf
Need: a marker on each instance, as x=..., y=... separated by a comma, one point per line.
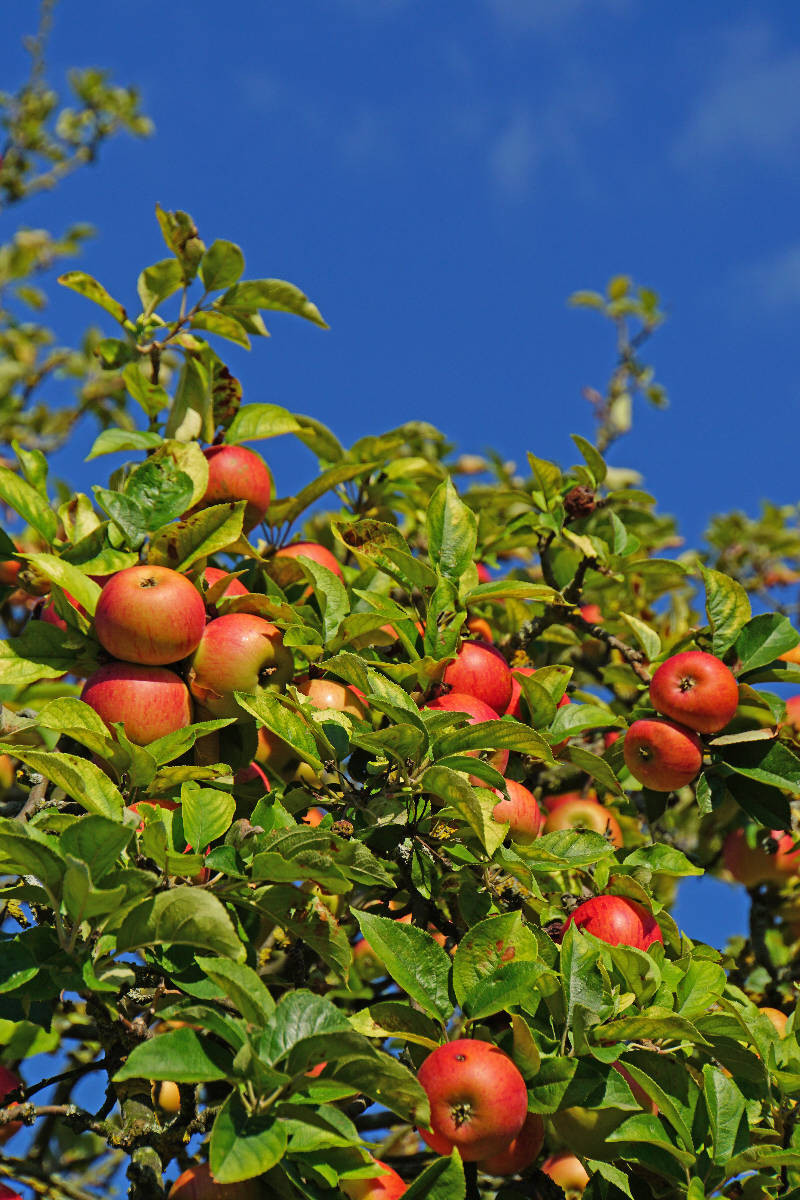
x=763, y=639
x=442, y=1180
x=221, y=324
x=291, y=507
x=112, y=441
x=583, y=984
x=207, y=814
x=244, y=1145
x=299, y=1014
x=727, y=607
x=255, y=422
x=42, y=652
x=392, y=1018
x=592, y=457
x=180, y=234
x=81, y=780
x=86, y=286
x=191, y=415
x=330, y=592
x=725, y=1106
x=157, y=283
x=593, y=766
x=22, y=854
x=69, y=579
x=512, y=589
x=413, y=959
x=475, y=806
x=771, y=763
x=221, y=265
x=97, y=842
x=388, y=1082
x=182, y=916
x=547, y=480
x=510, y=985
x=665, y=860
x=496, y=735
x=173, y=745
x=647, y=637
x=242, y=986
x=452, y=531
x=181, y=1055
x=199, y=536
x=576, y=718
x=489, y=946
x=150, y=396
x=292, y=728
x=25, y=500
x=274, y=294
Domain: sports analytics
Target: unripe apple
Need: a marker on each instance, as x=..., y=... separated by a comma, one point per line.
x=237, y=653
x=587, y=1129
x=568, y=1172
x=478, y=1099
x=314, y=551
x=150, y=701
x=477, y=712
x=197, y=1183
x=167, y=1095
x=696, y=689
x=573, y=811
x=521, y=1152
x=329, y=693
x=779, y=1019
x=522, y=813
x=480, y=670
x=272, y=750
x=386, y=1186
x=9, y=1082
x=752, y=865
x=235, y=587
x=236, y=473
x=149, y=615
x=662, y=754
x=617, y=921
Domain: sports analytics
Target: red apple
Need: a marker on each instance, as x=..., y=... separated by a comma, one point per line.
x=197, y=1183
x=477, y=712
x=617, y=921
x=793, y=714
x=313, y=550
x=521, y=1152
x=272, y=750
x=478, y=1099
x=328, y=693
x=386, y=1186
x=481, y=671
x=150, y=615
x=752, y=865
x=50, y=615
x=522, y=813
x=236, y=473
x=568, y=1172
x=9, y=571
x=573, y=811
x=8, y=1193
x=591, y=613
x=237, y=653
x=150, y=701
x=213, y=575
x=484, y=574
x=9, y=1082
x=480, y=628
x=696, y=689
x=662, y=754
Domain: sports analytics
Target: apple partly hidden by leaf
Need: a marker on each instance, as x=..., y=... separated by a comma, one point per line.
x=149, y=701
x=752, y=865
x=480, y=670
x=617, y=921
x=236, y=473
x=238, y=652
x=197, y=1183
x=476, y=712
x=568, y=1172
x=573, y=811
x=522, y=812
x=386, y=1186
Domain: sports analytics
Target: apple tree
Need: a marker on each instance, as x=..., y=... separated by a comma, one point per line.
x=341, y=824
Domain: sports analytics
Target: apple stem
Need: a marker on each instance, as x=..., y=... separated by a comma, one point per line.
x=471, y=1177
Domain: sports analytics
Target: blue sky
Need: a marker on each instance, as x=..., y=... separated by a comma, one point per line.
x=439, y=179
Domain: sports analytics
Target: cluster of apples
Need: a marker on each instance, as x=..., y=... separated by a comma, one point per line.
x=695, y=693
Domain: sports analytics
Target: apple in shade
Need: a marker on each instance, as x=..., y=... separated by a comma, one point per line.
x=477, y=1096
x=239, y=652
x=752, y=865
x=480, y=670
x=328, y=693
x=197, y=1183
x=386, y=1186
x=696, y=689
x=568, y=1172
x=662, y=755
x=9, y=1193
x=522, y=813
x=149, y=615
x=573, y=811
x=587, y=1129
x=314, y=551
x=250, y=774
x=617, y=921
x=520, y=1152
x=272, y=750
x=779, y=1019
x=516, y=706
x=476, y=712
x=7, y=771
x=157, y=802
x=149, y=701
x=793, y=714
x=9, y=1082
x=167, y=1096
x=236, y=473
x=235, y=587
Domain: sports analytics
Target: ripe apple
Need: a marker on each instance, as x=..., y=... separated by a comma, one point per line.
x=50, y=615
x=779, y=1019
x=573, y=811
x=793, y=714
x=790, y=656
x=9, y=1082
x=150, y=701
x=7, y=771
x=480, y=628
x=9, y=571
x=568, y=1172
x=696, y=689
x=591, y=613
x=197, y=1183
x=477, y=712
x=522, y=813
x=387, y=1186
x=237, y=653
x=480, y=670
x=314, y=551
x=236, y=473
x=617, y=921
x=752, y=865
x=213, y=575
x=521, y=1152
x=662, y=755
x=484, y=574
x=478, y=1099
x=149, y=615
x=313, y=817
x=328, y=693
x=8, y=1193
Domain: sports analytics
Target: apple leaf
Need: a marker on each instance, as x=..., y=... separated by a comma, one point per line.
x=207, y=814
x=198, y=536
x=79, y=778
x=181, y=916
x=180, y=1054
x=221, y=266
x=244, y=1145
x=413, y=959
x=243, y=987
x=452, y=531
x=442, y=1180
x=727, y=608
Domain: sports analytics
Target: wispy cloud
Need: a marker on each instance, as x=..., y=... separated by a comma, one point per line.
x=773, y=283
x=547, y=16
x=750, y=104
x=513, y=156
